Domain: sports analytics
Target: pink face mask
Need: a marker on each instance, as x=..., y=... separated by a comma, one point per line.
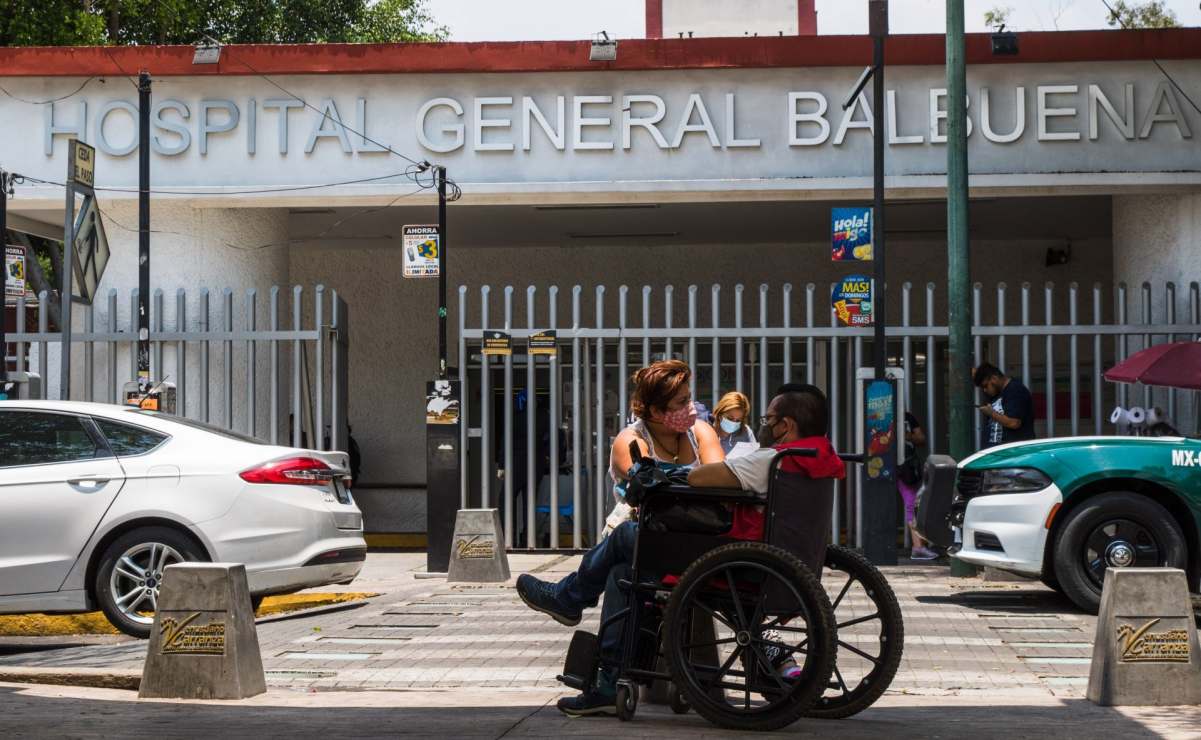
x=681, y=420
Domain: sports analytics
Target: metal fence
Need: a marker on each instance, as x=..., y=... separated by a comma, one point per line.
x=1058, y=340
x=282, y=379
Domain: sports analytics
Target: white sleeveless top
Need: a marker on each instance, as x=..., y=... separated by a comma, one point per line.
x=639, y=428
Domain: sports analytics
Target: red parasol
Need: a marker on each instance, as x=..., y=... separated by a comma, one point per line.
x=1174, y=365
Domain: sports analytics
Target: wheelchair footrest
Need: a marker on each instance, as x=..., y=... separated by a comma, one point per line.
x=583, y=658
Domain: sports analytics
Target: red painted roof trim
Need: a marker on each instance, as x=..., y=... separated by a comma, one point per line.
x=570, y=56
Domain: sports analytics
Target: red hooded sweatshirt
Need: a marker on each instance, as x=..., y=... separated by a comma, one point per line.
x=748, y=519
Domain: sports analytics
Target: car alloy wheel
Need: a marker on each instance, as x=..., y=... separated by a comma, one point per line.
x=137, y=577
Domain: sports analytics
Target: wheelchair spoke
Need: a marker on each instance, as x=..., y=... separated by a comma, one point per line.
x=860, y=620
x=725, y=667
x=874, y=660
x=842, y=682
x=766, y=664
x=782, y=646
x=846, y=587
x=691, y=646
x=711, y=612
x=737, y=600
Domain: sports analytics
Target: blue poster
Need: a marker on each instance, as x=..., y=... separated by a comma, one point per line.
x=852, y=234
x=880, y=427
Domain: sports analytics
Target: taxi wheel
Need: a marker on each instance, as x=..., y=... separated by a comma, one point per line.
x=1114, y=530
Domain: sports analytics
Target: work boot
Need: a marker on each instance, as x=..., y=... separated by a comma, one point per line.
x=597, y=701
x=540, y=596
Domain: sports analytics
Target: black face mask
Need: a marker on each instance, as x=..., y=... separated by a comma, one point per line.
x=766, y=437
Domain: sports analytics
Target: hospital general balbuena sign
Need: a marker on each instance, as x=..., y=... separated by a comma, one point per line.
x=730, y=123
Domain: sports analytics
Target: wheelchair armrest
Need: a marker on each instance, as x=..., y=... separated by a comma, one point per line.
x=724, y=495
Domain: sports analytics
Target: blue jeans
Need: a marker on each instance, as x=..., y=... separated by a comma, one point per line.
x=598, y=574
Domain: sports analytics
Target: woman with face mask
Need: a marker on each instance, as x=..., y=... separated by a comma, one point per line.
x=665, y=426
x=730, y=418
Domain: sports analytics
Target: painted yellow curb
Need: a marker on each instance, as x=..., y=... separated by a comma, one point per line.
x=94, y=623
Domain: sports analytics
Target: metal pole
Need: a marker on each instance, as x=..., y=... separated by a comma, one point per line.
x=440, y=172
x=144, y=233
x=879, y=21
x=4, y=282
x=958, y=259
x=959, y=274
x=64, y=378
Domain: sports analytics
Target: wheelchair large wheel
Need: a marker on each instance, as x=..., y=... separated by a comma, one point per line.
x=871, y=635
x=767, y=606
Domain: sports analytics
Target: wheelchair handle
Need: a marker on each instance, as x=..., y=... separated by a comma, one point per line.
x=852, y=457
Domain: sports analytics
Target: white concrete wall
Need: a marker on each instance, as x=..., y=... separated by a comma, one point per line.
x=1157, y=239
x=729, y=18
x=191, y=248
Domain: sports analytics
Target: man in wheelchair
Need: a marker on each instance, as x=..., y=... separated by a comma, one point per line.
x=796, y=418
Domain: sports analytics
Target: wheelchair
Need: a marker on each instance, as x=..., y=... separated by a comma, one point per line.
x=739, y=610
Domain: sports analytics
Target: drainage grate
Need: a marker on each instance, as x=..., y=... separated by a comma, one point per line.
x=1024, y=628
x=1057, y=661
x=394, y=626
x=1048, y=645
x=300, y=674
x=314, y=655
x=364, y=640
x=424, y=614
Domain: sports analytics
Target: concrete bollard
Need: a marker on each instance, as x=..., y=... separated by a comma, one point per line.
x=1145, y=652
x=204, y=644
x=477, y=550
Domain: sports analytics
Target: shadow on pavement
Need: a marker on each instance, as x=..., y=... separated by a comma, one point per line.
x=36, y=712
x=1037, y=600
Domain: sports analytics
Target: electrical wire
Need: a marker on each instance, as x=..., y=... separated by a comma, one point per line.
x=51, y=101
x=326, y=232
x=1113, y=14
x=407, y=173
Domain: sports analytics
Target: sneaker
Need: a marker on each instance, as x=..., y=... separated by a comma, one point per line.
x=789, y=670
x=923, y=553
x=540, y=596
x=589, y=704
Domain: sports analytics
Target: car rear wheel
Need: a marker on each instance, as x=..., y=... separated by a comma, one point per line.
x=1114, y=530
x=130, y=575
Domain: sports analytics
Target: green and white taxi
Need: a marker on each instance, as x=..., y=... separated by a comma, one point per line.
x=1064, y=510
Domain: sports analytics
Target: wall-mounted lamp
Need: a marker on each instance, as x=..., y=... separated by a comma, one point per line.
x=1004, y=43
x=207, y=52
x=604, y=49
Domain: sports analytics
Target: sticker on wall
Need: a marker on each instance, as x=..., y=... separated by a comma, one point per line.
x=421, y=246
x=852, y=300
x=442, y=402
x=14, y=271
x=851, y=230
x=497, y=343
x=544, y=342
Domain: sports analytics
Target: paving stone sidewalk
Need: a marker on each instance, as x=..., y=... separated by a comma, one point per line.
x=964, y=637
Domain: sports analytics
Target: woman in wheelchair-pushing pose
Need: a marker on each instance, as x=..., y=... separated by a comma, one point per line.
x=797, y=418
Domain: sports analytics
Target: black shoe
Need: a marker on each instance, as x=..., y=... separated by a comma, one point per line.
x=540, y=596
x=589, y=704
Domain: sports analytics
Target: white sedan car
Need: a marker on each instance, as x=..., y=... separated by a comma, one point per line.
x=96, y=500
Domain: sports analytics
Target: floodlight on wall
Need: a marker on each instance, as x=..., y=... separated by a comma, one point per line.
x=604, y=49
x=1004, y=43
x=207, y=52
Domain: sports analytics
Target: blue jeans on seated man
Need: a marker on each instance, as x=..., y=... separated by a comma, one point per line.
x=598, y=574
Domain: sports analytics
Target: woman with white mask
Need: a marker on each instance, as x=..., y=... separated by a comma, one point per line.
x=730, y=418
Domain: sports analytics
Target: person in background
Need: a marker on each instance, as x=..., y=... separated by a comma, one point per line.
x=909, y=479
x=1010, y=409
x=730, y=420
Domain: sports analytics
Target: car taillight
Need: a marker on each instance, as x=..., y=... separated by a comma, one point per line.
x=303, y=471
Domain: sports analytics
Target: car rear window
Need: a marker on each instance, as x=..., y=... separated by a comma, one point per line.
x=210, y=428
x=126, y=440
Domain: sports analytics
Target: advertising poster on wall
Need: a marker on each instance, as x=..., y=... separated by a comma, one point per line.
x=880, y=427
x=442, y=402
x=14, y=272
x=851, y=234
x=421, y=244
x=852, y=300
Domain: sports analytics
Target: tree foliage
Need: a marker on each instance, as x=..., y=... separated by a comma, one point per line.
x=997, y=17
x=143, y=22
x=1150, y=14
